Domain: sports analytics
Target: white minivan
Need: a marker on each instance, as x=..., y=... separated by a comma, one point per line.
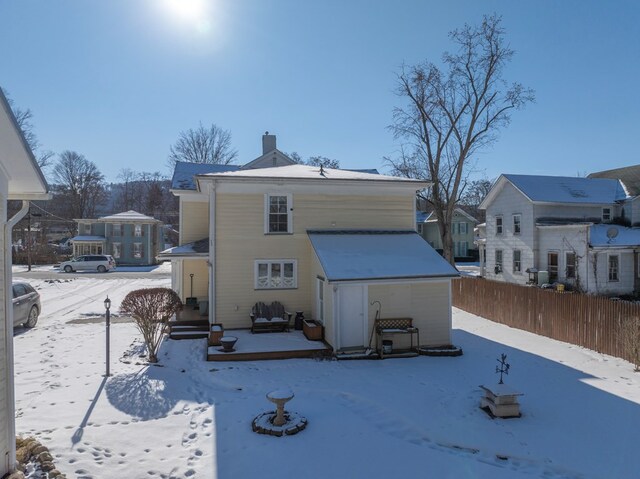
x=89, y=262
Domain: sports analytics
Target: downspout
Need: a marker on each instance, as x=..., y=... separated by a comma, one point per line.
x=212, y=254
x=8, y=330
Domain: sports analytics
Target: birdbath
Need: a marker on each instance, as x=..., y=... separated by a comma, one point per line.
x=280, y=398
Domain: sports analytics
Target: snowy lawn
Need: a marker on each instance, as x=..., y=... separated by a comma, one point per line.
x=415, y=417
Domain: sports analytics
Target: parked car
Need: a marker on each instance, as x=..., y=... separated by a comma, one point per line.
x=90, y=262
x=26, y=305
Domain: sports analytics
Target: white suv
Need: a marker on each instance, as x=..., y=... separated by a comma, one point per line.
x=90, y=262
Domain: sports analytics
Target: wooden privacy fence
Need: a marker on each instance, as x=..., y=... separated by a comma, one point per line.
x=593, y=322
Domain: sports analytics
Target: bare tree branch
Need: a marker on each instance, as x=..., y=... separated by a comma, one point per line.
x=451, y=113
x=203, y=145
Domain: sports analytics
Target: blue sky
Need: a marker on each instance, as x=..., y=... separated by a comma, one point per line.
x=118, y=80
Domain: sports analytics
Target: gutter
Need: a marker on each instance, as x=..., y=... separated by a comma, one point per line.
x=8, y=315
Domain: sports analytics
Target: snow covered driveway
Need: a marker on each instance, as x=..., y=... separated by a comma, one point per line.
x=417, y=417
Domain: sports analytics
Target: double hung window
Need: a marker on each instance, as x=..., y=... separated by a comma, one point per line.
x=278, y=216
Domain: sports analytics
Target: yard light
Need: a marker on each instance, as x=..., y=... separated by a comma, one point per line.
x=107, y=306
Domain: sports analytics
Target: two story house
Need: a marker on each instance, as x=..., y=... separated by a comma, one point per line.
x=327, y=242
x=462, y=227
x=130, y=237
x=576, y=231
x=20, y=179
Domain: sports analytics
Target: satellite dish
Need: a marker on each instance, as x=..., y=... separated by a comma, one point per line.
x=612, y=233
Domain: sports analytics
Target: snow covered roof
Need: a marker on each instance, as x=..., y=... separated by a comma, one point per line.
x=184, y=173
x=128, y=217
x=629, y=175
x=424, y=217
x=88, y=238
x=197, y=248
x=374, y=255
x=566, y=189
x=309, y=172
x=623, y=236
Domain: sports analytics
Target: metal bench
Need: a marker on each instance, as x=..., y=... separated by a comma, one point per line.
x=392, y=326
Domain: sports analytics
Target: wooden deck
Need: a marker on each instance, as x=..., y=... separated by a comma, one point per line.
x=256, y=347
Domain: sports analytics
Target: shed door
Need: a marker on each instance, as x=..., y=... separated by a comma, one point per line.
x=351, y=316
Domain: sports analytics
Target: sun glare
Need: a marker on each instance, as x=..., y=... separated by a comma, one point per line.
x=193, y=12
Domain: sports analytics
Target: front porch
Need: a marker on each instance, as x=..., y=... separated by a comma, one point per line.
x=253, y=347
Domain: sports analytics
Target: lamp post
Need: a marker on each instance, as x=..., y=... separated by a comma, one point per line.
x=107, y=306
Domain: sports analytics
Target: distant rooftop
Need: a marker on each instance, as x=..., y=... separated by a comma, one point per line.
x=629, y=175
x=184, y=173
x=128, y=217
x=565, y=189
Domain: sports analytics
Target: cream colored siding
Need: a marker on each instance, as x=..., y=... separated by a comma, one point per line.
x=194, y=222
x=200, y=272
x=427, y=303
x=316, y=270
x=240, y=240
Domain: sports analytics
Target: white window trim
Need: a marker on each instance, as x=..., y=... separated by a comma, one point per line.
x=519, y=216
x=499, y=264
x=513, y=258
x=289, y=213
x=117, y=246
x=119, y=229
x=137, y=227
x=282, y=262
x=610, y=213
x=501, y=225
x=139, y=247
x=617, y=280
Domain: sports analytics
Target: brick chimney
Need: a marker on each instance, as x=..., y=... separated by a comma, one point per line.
x=268, y=143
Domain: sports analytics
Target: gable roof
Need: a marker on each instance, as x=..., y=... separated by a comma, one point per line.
x=303, y=172
x=629, y=175
x=424, y=217
x=273, y=158
x=189, y=250
x=184, y=173
x=26, y=180
x=561, y=189
x=377, y=255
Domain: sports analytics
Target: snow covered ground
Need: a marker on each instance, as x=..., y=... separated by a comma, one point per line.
x=416, y=417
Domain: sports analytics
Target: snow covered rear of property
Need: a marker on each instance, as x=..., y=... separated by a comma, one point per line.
x=189, y=418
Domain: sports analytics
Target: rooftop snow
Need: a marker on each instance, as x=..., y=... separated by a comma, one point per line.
x=370, y=255
x=564, y=189
x=308, y=172
x=629, y=175
x=183, y=174
x=127, y=216
x=190, y=249
x=87, y=238
x=625, y=236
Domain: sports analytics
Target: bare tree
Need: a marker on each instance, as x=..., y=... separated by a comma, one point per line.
x=24, y=118
x=315, y=161
x=452, y=113
x=151, y=309
x=472, y=195
x=79, y=185
x=203, y=145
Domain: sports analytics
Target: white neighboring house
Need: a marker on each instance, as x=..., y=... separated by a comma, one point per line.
x=565, y=229
x=20, y=179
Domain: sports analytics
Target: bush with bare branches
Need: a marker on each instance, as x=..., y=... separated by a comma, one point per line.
x=151, y=309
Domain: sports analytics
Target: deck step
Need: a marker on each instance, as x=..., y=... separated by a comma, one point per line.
x=189, y=329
